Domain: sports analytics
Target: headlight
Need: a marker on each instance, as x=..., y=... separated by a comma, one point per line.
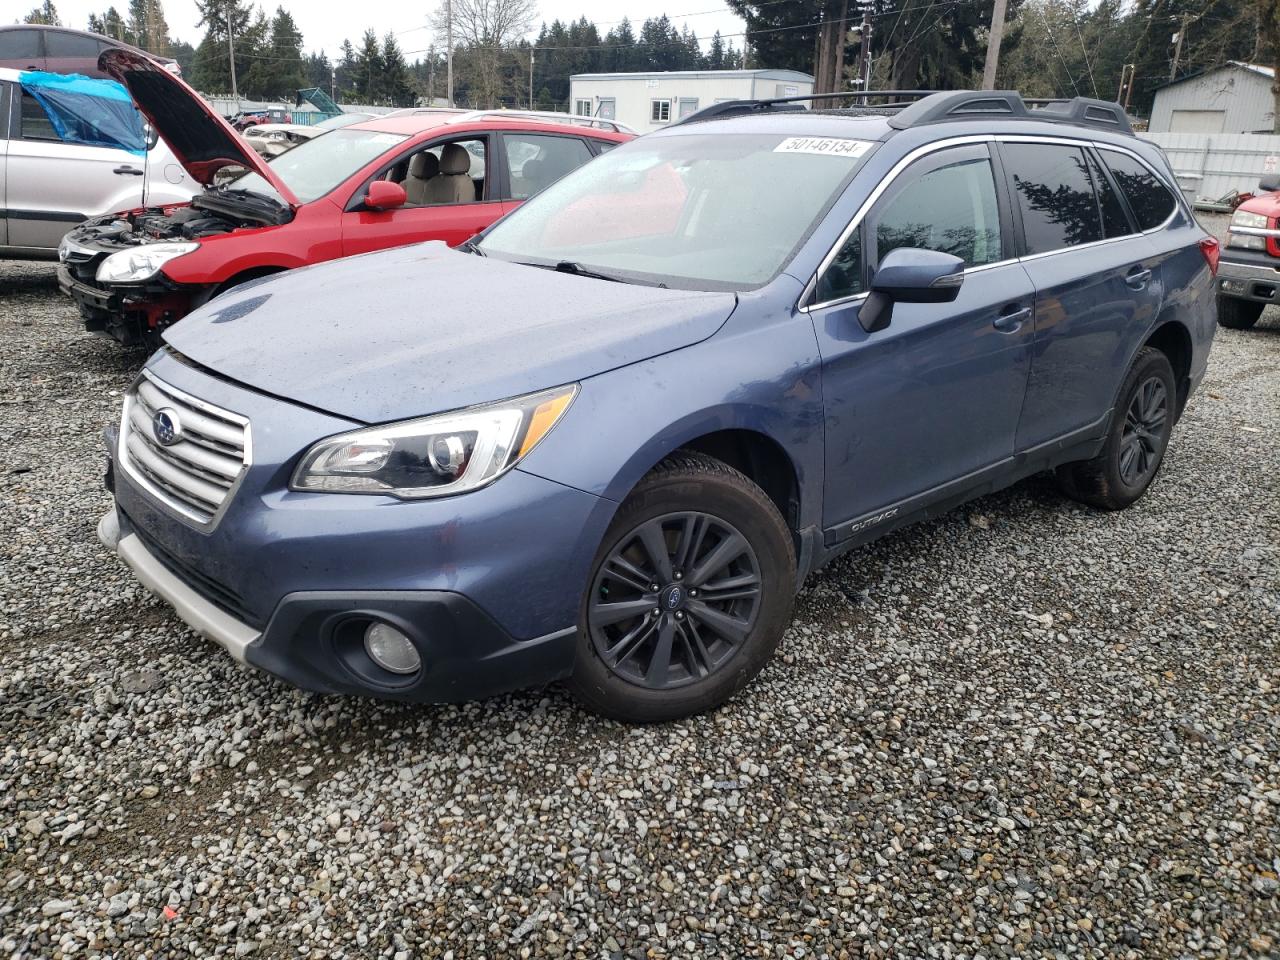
x=141, y=263
x=434, y=456
x=1242, y=218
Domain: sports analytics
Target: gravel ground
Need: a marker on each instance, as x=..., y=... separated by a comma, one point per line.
x=1026, y=729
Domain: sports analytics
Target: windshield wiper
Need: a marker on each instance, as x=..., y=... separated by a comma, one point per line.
x=578, y=270
x=470, y=246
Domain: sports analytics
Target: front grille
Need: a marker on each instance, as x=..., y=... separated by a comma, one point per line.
x=216, y=592
x=196, y=473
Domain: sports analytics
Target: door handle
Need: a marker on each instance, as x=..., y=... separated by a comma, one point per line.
x=1137, y=277
x=1011, y=320
x=127, y=171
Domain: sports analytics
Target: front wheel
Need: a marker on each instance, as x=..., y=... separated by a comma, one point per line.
x=1238, y=314
x=1136, y=442
x=689, y=594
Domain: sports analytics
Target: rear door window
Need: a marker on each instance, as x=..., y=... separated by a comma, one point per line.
x=1149, y=199
x=63, y=45
x=535, y=162
x=1055, y=195
x=19, y=44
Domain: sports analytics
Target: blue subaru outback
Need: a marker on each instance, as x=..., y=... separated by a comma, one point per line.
x=605, y=441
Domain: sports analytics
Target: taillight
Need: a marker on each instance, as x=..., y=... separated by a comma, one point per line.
x=1210, y=247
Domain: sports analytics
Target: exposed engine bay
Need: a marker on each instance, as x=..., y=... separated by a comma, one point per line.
x=136, y=311
x=210, y=214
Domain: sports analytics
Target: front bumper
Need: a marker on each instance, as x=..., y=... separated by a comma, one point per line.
x=313, y=640
x=1250, y=276
x=487, y=584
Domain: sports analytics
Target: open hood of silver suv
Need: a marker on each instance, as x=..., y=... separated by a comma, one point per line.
x=202, y=141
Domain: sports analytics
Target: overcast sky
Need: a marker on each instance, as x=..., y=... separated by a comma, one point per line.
x=326, y=23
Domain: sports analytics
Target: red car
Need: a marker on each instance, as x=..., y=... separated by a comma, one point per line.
x=440, y=175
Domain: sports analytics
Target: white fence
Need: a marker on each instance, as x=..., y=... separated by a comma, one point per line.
x=1212, y=165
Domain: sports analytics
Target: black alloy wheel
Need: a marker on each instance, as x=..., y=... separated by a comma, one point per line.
x=1142, y=439
x=689, y=593
x=674, y=599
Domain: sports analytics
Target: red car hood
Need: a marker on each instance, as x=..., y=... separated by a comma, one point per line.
x=202, y=141
x=1267, y=204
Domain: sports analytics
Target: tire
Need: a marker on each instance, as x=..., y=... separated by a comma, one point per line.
x=1136, y=441
x=715, y=644
x=1237, y=314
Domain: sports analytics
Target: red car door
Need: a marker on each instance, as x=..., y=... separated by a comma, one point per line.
x=364, y=230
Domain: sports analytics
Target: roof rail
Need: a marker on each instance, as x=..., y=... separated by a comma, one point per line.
x=613, y=126
x=1009, y=105
x=733, y=108
x=916, y=107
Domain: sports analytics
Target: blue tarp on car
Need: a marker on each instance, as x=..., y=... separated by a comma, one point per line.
x=98, y=113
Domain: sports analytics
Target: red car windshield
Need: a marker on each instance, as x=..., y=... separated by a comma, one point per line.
x=315, y=167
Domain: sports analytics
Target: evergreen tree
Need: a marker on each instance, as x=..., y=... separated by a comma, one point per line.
x=368, y=73
x=345, y=70
x=395, y=74
x=46, y=14
x=716, y=57
x=277, y=70
x=210, y=71
x=148, y=26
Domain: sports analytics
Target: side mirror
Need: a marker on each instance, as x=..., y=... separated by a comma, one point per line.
x=1269, y=183
x=910, y=275
x=385, y=195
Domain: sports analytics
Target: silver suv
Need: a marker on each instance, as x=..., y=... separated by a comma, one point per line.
x=51, y=180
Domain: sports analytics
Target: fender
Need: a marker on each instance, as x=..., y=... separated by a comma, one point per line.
x=762, y=378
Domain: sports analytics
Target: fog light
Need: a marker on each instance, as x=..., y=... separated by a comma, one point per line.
x=390, y=649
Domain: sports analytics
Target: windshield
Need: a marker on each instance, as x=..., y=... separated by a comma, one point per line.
x=315, y=167
x=694, y=211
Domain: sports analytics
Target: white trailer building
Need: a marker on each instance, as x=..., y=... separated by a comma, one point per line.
x=649, y=101
x=1232, y=98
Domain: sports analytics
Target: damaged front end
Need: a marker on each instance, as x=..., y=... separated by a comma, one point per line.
x=113, y=266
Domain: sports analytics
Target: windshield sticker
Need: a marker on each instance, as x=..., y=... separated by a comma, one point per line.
x=833, y=146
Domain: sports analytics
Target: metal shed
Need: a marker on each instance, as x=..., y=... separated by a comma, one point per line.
x=1234, y=97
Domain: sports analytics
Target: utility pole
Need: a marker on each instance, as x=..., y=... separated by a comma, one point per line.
x=993, y=46
x=231, y=55
x=531, y=52
x=864, y=49
x=333, y=84
x=431, y=75
x=1187, y=20
x=448, y=30
x=1125, y=90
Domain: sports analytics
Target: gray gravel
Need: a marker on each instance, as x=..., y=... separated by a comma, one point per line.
x=1026, y=729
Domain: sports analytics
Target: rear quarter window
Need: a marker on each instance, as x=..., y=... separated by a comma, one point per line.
x=1149, y=199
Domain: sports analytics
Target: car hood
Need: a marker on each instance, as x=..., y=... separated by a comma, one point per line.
x=1267, y=204
x=202, y=141
x=258, y=128
x=424, y=329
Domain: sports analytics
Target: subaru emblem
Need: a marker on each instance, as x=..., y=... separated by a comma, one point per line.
x=166, y=427
x=675, y=596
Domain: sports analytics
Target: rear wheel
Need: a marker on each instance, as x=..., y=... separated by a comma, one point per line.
x=1136, y=442
x=689, y=595
x=1238, y=314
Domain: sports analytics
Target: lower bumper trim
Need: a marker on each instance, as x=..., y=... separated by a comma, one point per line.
x=194, y=610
